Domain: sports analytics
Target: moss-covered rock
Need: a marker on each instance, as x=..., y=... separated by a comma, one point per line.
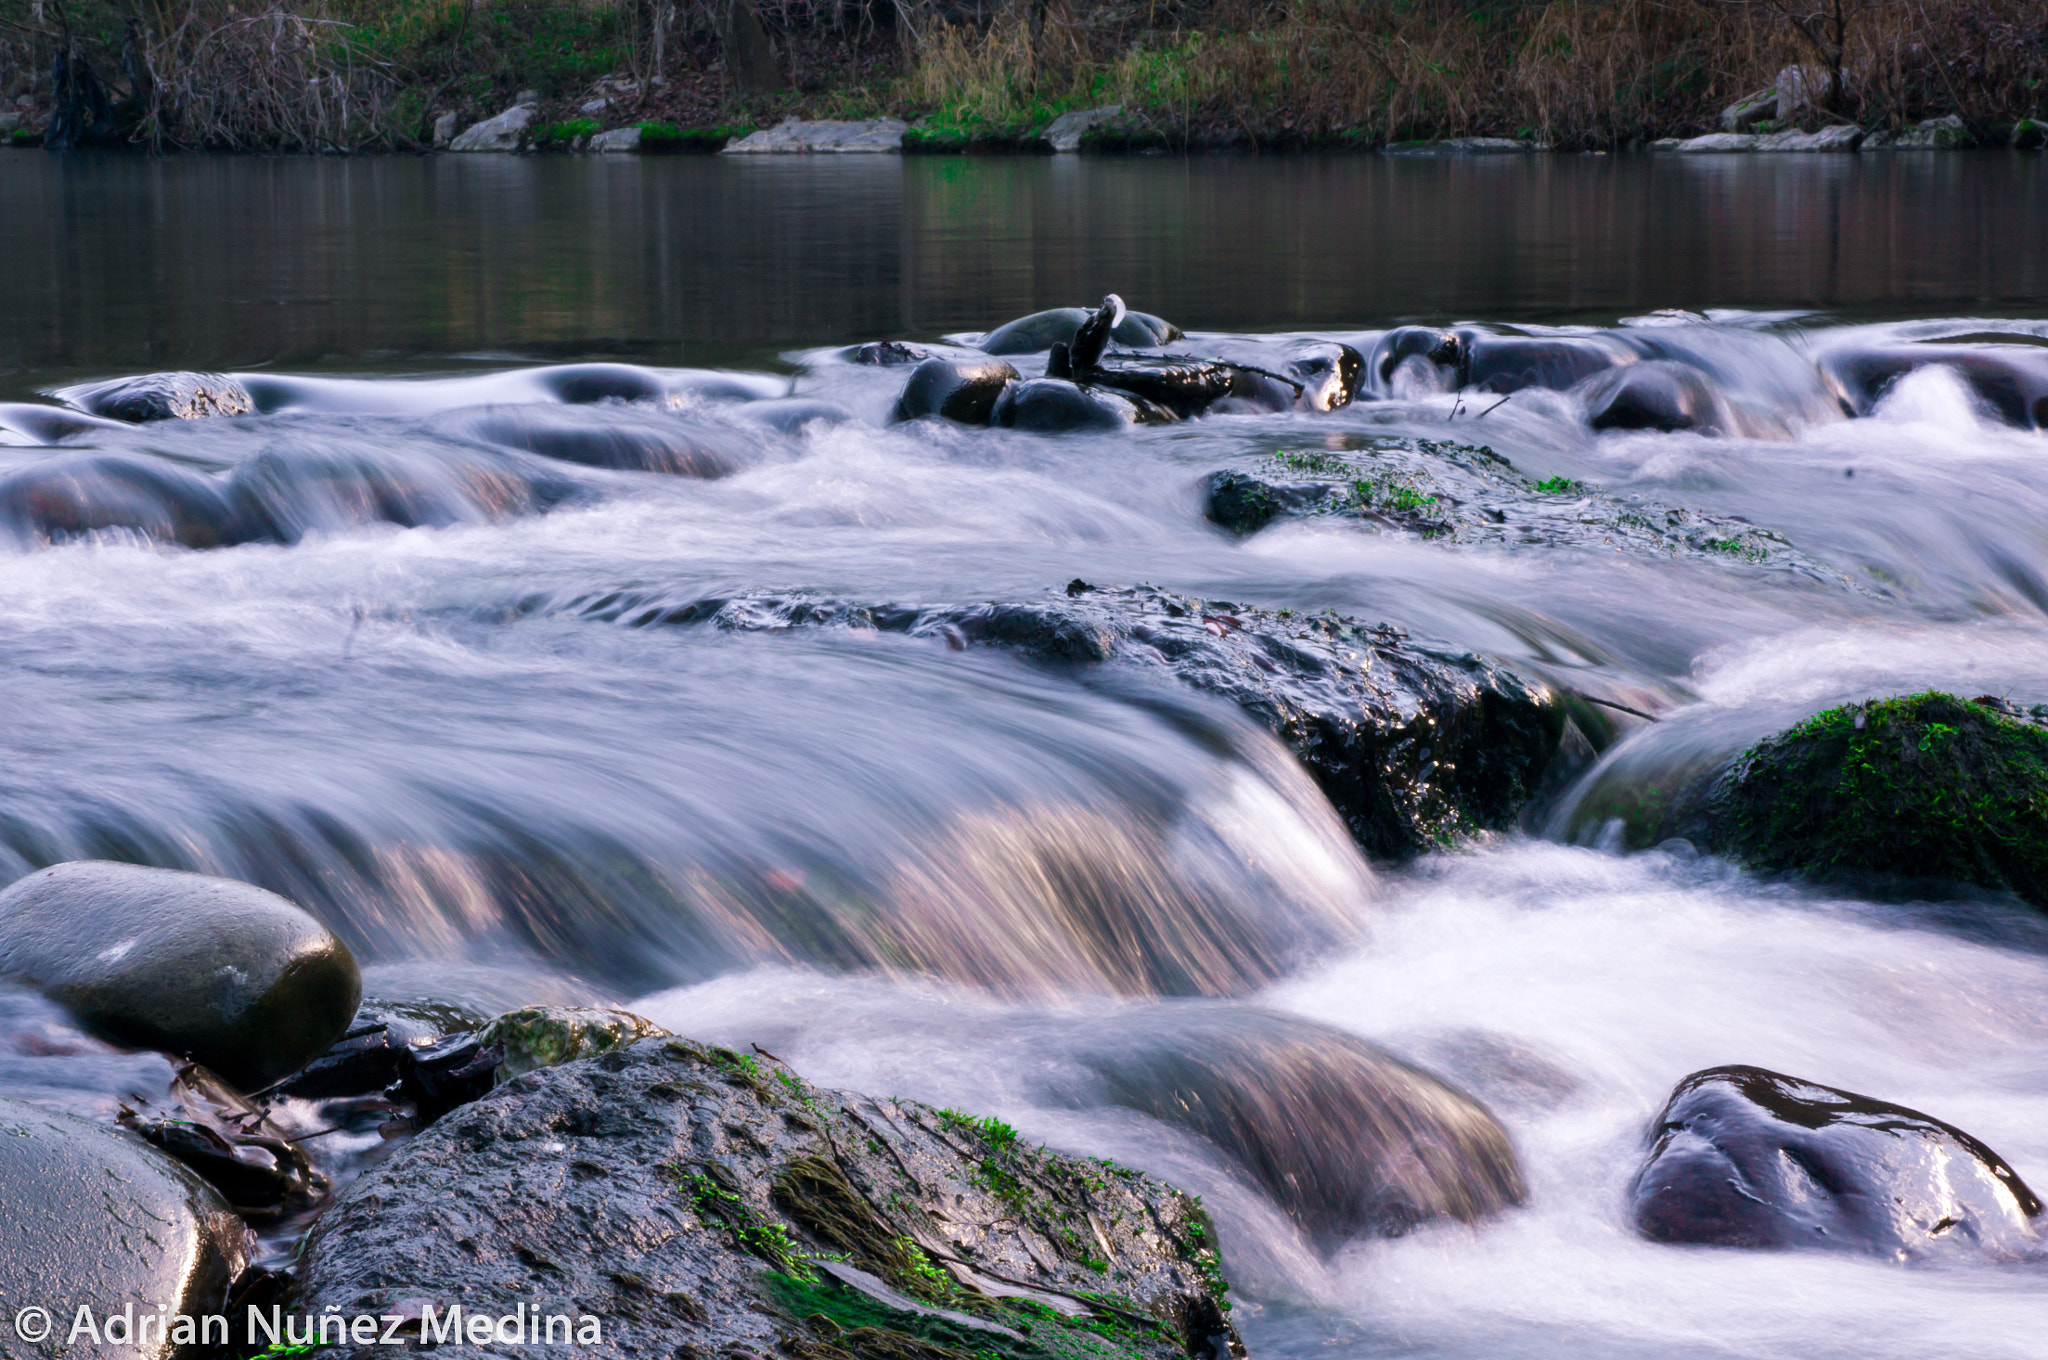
x=1925, y=786
x=534, y=1037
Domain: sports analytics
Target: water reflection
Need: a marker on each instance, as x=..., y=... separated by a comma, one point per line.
x=122, y=262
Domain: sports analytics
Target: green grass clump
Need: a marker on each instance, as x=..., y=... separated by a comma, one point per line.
x=1561, y=486
x=1388, y=492
x=562, y=134
x=1924, y=786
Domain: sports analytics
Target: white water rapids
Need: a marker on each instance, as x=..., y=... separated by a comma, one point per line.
x=427, y=736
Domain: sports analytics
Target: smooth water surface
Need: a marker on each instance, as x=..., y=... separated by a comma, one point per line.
x=878, y=856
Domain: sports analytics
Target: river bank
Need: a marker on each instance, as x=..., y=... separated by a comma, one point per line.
x=356, y=75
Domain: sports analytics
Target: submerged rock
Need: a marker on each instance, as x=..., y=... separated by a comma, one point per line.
x=1064, y=133
x=1655, y=395
x=1413, y=744
x=1464, y=493
x=1928, y=786
x=94, y=1218
x=237, y=978
x=965, y=390
x=1345, y=1137
x=1743, y=1157
x=2010, y=380
x=626, y=440
x=699, y=1201
x=72, y=495
x=230, y=1142
x=1039, y=332
x=162, y=396
x=1054, y=405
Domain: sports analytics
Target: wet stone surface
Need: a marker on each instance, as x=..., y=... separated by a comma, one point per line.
x=1743, y=1157
x=701, y=1201
x=1413, y=744
x=1468, y=494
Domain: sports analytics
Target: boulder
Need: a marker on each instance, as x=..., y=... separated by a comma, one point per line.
x=1750, y=110
x=33, y=423
x=1346, y=1138
x=534, y=1037
x=1064, y=133
x=1793, y=97
x=1934, y=134
x=1719, y=141
x=887, y=353
x=1658, y=394
x=1463, y=146
x=1509, y=363
x=444, y=130
x=965, y=390
x=616, y=141
x=506, y=132
x=90, y=1217
x=2028, y=134
x=698, y=1201
x=162, y=396
x=1837, y=137
x=237, y=978
x=1414, y=744
x=2011, y=381
x=71, y=495
x=1744, y=1157
x=794, y=136
x=628, y=440
x=1039, y=332
x=1055, y=405
x=1928, y=786
x=1330, y=375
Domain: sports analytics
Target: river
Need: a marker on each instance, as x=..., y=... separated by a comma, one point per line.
x=451, y=742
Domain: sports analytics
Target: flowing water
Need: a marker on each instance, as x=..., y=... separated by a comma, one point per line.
x=421, y=705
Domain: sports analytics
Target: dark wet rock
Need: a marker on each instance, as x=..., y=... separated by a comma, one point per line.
x=627, y=440
x=444, y=1075
x=1331, y=376
x=1927, y=786
x=1440, y=351
x=965, y=390
x=1414, y=744
x=230, y=1142
x=1658, y=394
x=1510, y=363
x=71, y=495
x=34, y=424
x=2011, y=380
x=1039, y=332
x=1743, y=1157
x=93, y=1217
x=235, y=977
x=1345, y=1137
x=889, y=353
x=1245, y=504
x=1186, y=387
x=701, y=1201
x=579, y=384
x=1462, y=493
x=534, y=1037
x=162, y=396
x=1055, y=405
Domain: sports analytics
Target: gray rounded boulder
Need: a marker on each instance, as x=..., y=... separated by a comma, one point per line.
x=91, y=1217
x=240, y=979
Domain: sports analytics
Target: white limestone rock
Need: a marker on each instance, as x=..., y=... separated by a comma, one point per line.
x=794, y=136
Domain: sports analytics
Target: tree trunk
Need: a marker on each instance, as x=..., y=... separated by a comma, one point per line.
x=750, y=67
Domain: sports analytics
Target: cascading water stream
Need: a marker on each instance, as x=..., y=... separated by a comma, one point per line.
x=444, y=656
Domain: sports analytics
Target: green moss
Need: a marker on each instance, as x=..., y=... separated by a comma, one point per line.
x=657, y=136
x=770, y=1241
x=1924, y=786
x=1561, y=486
x=860, y=1326
x=562, y=134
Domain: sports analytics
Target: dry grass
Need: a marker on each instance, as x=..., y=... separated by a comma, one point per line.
x=316, y=74
x=1573, y=72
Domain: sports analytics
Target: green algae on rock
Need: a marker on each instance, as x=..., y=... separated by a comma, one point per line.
x=705, y=1202
x=534, y=1037
x=1922, y=786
